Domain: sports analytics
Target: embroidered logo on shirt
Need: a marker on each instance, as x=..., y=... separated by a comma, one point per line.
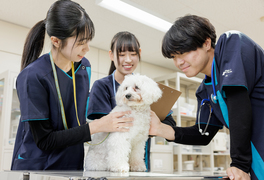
x=226, y=72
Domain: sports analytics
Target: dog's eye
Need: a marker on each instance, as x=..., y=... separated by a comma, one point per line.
x=136, y=87
x=126, y=88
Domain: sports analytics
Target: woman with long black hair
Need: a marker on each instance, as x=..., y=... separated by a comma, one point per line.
x=53, y=91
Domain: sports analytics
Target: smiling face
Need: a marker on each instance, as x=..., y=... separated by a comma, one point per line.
x=74, y=51
x=69, y=50
x=125, y=55
x=190, y=63
x=194, y=62
x=127, y=63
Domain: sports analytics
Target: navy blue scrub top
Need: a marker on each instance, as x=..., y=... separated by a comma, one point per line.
x=239, y=61
x=102, y=98
x=39, y=102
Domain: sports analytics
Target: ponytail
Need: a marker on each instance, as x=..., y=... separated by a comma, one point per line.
x=112, y=68
x=64, y=19
x=34, y=44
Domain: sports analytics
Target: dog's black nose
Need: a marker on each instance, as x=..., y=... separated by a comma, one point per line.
x=128, y=96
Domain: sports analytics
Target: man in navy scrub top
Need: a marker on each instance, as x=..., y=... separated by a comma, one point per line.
x=231, y=94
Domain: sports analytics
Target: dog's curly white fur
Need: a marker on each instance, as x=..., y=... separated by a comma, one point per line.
x=124, y=151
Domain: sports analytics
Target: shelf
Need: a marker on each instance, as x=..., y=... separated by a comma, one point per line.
x=191, y=150
x=10, y=118
x=184, y=117
x=221, y=154
x=194, y=173
x=219, y=171
x=161, y=148
x=15, y=111
x=184, y=79
x=196, y=153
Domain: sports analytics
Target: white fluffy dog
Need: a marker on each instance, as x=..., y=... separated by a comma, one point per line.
x=124, y=151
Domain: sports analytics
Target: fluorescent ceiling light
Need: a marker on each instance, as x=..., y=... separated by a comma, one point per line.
x=134, y=13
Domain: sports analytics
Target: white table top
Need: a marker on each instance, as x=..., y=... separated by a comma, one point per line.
x=99, y=175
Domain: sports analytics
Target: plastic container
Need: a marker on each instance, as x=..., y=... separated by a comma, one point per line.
x=188, y=165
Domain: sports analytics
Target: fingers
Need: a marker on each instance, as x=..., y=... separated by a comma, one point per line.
x=123, y=127
x=121, y=114
x=237, y=174
x=119, y=117
x=152, y=113
x=125, y=120
x=120, y=122
x=230, y=173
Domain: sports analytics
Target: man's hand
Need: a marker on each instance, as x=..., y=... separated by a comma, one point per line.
x=237, y=174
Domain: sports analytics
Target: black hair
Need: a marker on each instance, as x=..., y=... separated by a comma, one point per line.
x=64, y=19
x=187, y=34
x=121, y=42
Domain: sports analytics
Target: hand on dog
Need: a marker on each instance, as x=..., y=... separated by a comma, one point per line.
x=113, y=122
x=157, y=128
x=154, y=124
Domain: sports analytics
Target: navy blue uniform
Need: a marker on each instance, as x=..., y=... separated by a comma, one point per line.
x=102, y=99
x=239, y=61
x=39, y=102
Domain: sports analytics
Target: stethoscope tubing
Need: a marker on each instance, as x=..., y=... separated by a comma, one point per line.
x=203, y=102
x=114, y=87
x=212, y=74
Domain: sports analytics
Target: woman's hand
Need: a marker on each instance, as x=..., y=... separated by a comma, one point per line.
x=113, y=122
x=237, y=174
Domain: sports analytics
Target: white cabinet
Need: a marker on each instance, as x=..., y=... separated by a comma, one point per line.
x=161, y=155
x=188, y=158
x=9, y=117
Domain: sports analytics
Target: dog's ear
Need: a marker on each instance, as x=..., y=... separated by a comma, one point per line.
x=156, y=92
x=152, y=92
x=120, y=98
x=119, y=94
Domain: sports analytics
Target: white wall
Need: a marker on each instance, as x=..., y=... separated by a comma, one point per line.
x=12, y=38
x=11, y=45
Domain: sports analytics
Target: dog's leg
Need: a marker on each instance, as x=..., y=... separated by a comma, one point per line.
x=95, y=161
x=136, y=160
x=118, y=148
x=95, y=158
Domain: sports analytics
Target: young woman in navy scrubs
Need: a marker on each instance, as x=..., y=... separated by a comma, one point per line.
x=53, y=91
x=125, y=55
x=232, y=91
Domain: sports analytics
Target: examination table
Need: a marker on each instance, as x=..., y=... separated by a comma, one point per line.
x=101, y=175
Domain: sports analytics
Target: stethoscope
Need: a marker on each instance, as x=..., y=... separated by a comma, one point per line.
x=114, y=87
x=207, y=101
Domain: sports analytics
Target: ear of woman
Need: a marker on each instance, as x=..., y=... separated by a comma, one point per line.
x=55, y=41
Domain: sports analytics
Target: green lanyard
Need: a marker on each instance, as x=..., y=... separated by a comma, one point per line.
x=59, y=94
x=74, y=93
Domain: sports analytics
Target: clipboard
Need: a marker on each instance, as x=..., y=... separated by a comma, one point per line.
x=163, y=106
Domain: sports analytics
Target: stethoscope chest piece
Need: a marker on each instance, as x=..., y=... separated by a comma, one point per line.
x=214, y=98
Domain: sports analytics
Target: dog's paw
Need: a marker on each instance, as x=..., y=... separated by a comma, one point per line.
x=138, y=168
x=122, y=169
